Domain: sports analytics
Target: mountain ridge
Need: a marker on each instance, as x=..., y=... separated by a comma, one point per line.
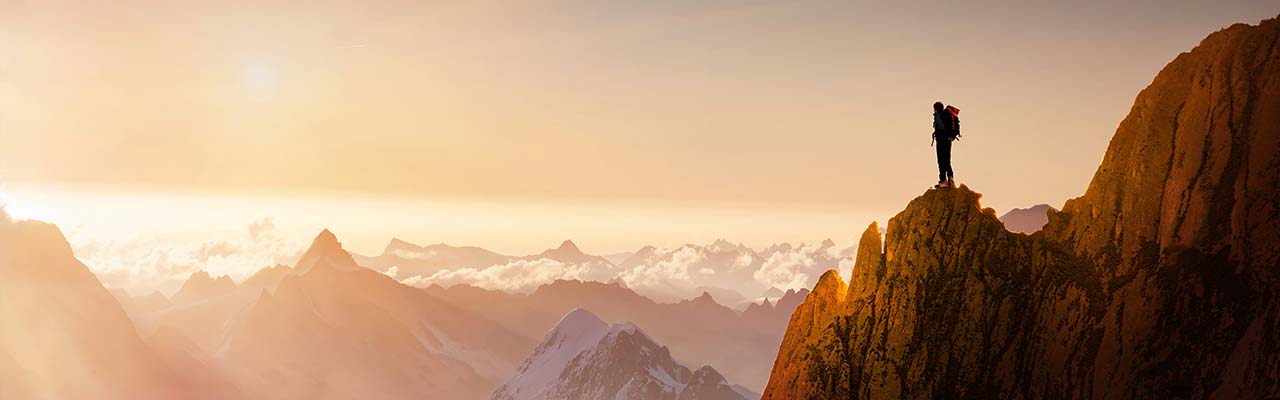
x=1158, y=282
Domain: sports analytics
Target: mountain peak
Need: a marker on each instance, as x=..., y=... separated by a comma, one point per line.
x=398, y=244
x=579, y=318
x=1026, y=220
x=200, y=285
x=568, y=245
x=773, y=291
x=325, y=250
x=199, y=275
x=578, y=331
x=707, y=375
x=622, y=363
x=830, y=285
x=868, y=266
x=326, y=239
x=568, y=253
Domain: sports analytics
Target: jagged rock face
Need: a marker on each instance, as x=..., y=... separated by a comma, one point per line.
x=952, y=307
x=1159, y=282
x=1195, y=162
x=800, y=357
x=1179, y=223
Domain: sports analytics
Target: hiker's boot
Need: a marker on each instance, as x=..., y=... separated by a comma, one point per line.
x=951, y=182
x=940, y=185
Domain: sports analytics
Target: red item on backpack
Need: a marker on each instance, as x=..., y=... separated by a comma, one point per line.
x=955, y=121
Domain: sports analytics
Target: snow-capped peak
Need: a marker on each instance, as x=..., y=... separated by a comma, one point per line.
x=576, y=332
x=583, y=358
x=579, y=320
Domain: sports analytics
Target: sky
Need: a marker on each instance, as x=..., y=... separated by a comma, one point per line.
x=515, y=125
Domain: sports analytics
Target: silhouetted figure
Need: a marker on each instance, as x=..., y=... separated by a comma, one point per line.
x=946, y=128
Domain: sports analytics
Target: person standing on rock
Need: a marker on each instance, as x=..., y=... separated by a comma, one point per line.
x=946, y=129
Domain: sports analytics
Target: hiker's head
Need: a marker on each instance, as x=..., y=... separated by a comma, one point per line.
x=937, y=106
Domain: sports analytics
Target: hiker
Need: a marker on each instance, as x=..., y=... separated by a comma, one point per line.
x=946, y=129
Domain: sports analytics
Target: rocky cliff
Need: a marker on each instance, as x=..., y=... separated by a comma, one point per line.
x=1159, y=282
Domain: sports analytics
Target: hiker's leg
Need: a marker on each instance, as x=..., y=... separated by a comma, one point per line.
x=942, y=169
x=950, y=173
x=944, y=160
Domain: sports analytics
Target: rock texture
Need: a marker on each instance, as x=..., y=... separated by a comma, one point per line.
x=1159, y=282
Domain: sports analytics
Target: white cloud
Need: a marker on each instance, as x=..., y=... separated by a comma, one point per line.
x=801, y=266
x=743, y=260
x=145, y=264
x=521, y=276
x=410, y=254
x=393, y=271
x=262, y=228
x=674, y=267
x=785, y=270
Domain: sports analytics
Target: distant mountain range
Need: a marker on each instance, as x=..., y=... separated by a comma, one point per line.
x=583, y=358
x=732, y=273
x=285, y=332
x=1026, y=220
x=700, y=328
x=324, y=329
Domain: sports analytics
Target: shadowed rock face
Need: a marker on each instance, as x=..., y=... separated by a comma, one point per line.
x=1179, y=224
x=953, y=306
x=1159, y=282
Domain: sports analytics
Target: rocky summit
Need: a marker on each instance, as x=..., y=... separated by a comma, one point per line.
x=1158, y=282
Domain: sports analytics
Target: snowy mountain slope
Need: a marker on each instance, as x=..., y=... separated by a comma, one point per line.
x=582, y=358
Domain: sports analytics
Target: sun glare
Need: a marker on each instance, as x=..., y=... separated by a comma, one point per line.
x=259, y=76
x=24, y=210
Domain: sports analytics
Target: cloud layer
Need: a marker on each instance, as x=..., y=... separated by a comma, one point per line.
x=664, y=274
x=145, y=264
x=520, y=276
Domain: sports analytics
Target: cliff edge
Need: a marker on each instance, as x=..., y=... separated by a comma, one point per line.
x=1158, y=282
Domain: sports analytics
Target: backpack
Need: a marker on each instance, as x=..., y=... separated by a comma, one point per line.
x=954, y=113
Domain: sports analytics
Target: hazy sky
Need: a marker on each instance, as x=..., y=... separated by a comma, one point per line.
x=810, y=118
